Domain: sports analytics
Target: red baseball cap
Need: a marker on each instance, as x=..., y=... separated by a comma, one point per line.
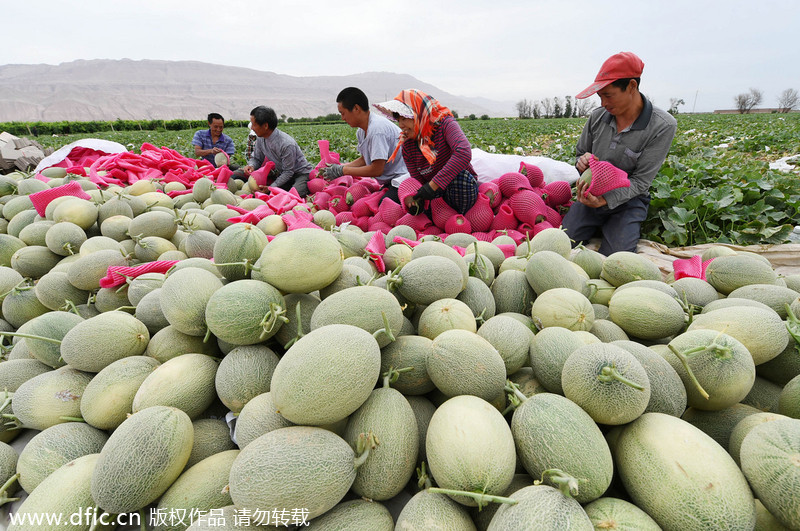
x=620, y=66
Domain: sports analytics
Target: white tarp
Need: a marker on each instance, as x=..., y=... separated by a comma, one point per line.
x=106, y=146
x=490, y=166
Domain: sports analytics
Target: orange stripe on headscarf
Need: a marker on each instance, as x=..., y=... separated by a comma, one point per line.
x=427, y=113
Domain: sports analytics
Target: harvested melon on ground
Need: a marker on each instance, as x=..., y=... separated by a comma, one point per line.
x=541, y=507
x=184, y=297
x=667, y=390
x=511, y=338
x=512, y=292
x=614, y=513
x=548, y=270
x=281, y=471
x=93, y=344
x=727, y=273
x=549, y=350
x=563, y=307
x=624, y=266
x=445, y=314
x=211, y=436
x=551, y=431
x=244, y=373
x=429, y=278
x=681, y=477
x=435, y=512
x=245, y=312
x=240, y=243
x=108, y=398
x=355, y=514
x=370, y=308
x=51, y=327
x=408, y=352
x=464, y=363
x=258, y=416
x=149, y=449
x=326, y=375
x=607, y=382
x=470, y=448
x=646, y=313
x=389, y=417
x=301, y=261
x=185, y=382
x=50, y=398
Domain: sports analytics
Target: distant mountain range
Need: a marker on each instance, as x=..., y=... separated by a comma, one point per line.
x=102, y=89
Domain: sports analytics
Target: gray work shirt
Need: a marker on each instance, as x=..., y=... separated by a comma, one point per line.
x=283, y=150
x=378, y=143
x=640, y=150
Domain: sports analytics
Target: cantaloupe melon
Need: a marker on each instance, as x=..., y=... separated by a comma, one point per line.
x=14, y=373
x=241, y=242
x=435, y=512
x=367, y=307
x=149, y=449
x=184, y=297
x=257, y=417
x=667, y=390
x=53, y=325
x=512, y=292
x=547, y=270
x=615, y=513
x=185, y=382
x=301, y=261
x=464, y=363
x=428, y=278
x=510, y=338
x=355, y=515
x=470, y=448
x=93, y=344
x=407, y=352
x=445, y=314
x=540, y=507
x=50, y=398
x=624, y=266
x=563, y=307
x=659, y=456
x=726, y=273
x=245, y=312
x=646, y=313
x=244, y=373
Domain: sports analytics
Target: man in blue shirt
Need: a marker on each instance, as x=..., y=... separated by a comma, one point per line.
x=208, y=142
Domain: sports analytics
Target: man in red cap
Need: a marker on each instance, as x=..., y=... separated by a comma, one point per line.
x=633, y=135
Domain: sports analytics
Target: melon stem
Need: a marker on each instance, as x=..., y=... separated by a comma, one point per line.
x=391, y=376
x=793, y=326
x=609, y=373
x=299, y=316
x=482, y=499
x=70, y=307
x=30, y=336
x=275, y=315
x=15, y=288
x=387, y=329
x=365, y=443
x=423, y=479
x=515, y=395
x=4, y=490
x=685, y=362
x=567, y=484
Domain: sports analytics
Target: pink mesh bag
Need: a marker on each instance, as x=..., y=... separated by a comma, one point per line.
x=321, y=200
x=504, y=219
x=441, y=212
x=419, y=222
x=373, y=200
x=345, y=217
x=526, y=229
x=336, y=190
x=552, y=216
x=356, y=192
x=378, y=225
x=492, y=191
x=527, y=206
x=483, y=236
x=407, y=188
x=511, y=182
x=390, y=211
x=539, y=227
x=457, y=223
x=533, y=173
x=360, y=208
x=480, y=215
x=336, y=204
x=690, y=267
x=558, y=193
x=316, y=185
x=375, y=250
x=606, y=177
x=262, y=174
x=116, y=275
x=41, y=199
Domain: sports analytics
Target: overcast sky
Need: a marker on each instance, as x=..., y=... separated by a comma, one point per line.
x=704, y=51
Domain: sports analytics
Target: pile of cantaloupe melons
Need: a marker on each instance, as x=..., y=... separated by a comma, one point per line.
x=272, y=378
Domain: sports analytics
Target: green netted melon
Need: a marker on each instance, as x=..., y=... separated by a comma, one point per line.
x=512, y=292
x=149, y=248
x=776, y=297
x=478, y=297
x=108, y=398
x=614, y=513
x=563, y=307
x=435, y=512
x=646, y=313
x=445, y=314
x=241, y=242
x=761, y=331
x=551, y=431
x=211, y=436
x=244, y=373
x=470, y=447
x=368, y=307
x=65, y=493
x=153, y=223
x=390, y=466
x=743, y=427
x=93, y=344
x=590, y=260
x=54, y=291
x=50, y=398
x=428, y=278
x=34, y=261
x=81, y=212
x=185, y=382
x=326, y=375
x=464, y=363
x=548, y=270
x=149, y=450
x=695, y=291
x=34, y=234
x=301, y=261
x=667, y=390
x=681, y=477
x=280, y=471
x=257, y=417
x=733, y=301
x=184, y=296
x=719, y=424
x=245, y=312
x=14, y=373
x=200, y=488
x=607, y=331
x=727, y=273
x=541, y=507
x=412, y=352
x=511, y=338
x=52, y=448
x=624, y=266
x=549, y=350
x=354, y=515
x=8, y=246
x=434, y=248
x=299, y=309
x=86, y=272
x=789, y=398
x=765, y=395
x=20, y=305
x=53, y=325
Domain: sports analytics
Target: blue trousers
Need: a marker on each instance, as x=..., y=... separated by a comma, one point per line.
x=461, y=193
x=620, y=227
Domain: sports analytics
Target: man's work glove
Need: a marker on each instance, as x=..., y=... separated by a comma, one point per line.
x=425, y=193
x=415, y=208
x=332, y=171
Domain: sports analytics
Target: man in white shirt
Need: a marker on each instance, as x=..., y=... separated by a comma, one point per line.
x=377, y=138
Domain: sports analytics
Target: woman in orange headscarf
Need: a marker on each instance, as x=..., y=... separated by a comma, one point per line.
x=436, y=151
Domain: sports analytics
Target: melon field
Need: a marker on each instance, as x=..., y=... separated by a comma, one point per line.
x=180, y=350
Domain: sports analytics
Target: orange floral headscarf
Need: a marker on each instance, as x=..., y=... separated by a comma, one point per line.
x=427, y=113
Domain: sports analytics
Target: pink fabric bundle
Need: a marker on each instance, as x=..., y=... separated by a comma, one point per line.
x=41, y=199
x=252, y=217
x=390, y=211
x=527, y=206
x=407, y=188
x=457, y=223
x=117, y=275
x=361, y=208
x=406, y=241
x=512, y=182
x=321, y=200
x=355, y=192
x=419, y=222
x=299, y=219
x=337, y=204
x=558, y=193
x=533, y=173
x=376, y=224
x=345, y=217
x=552, y=216
x=492, y=191
x=606, y=177
x=483, y=236
x=316, y=185
x=261, y=175
x=690, y=267
x=373, y=200
x=539, y=227
x=508, y=249
x=480, y=215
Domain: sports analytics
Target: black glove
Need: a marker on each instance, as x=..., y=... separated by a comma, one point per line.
x=425, y=193
x=415, y=208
